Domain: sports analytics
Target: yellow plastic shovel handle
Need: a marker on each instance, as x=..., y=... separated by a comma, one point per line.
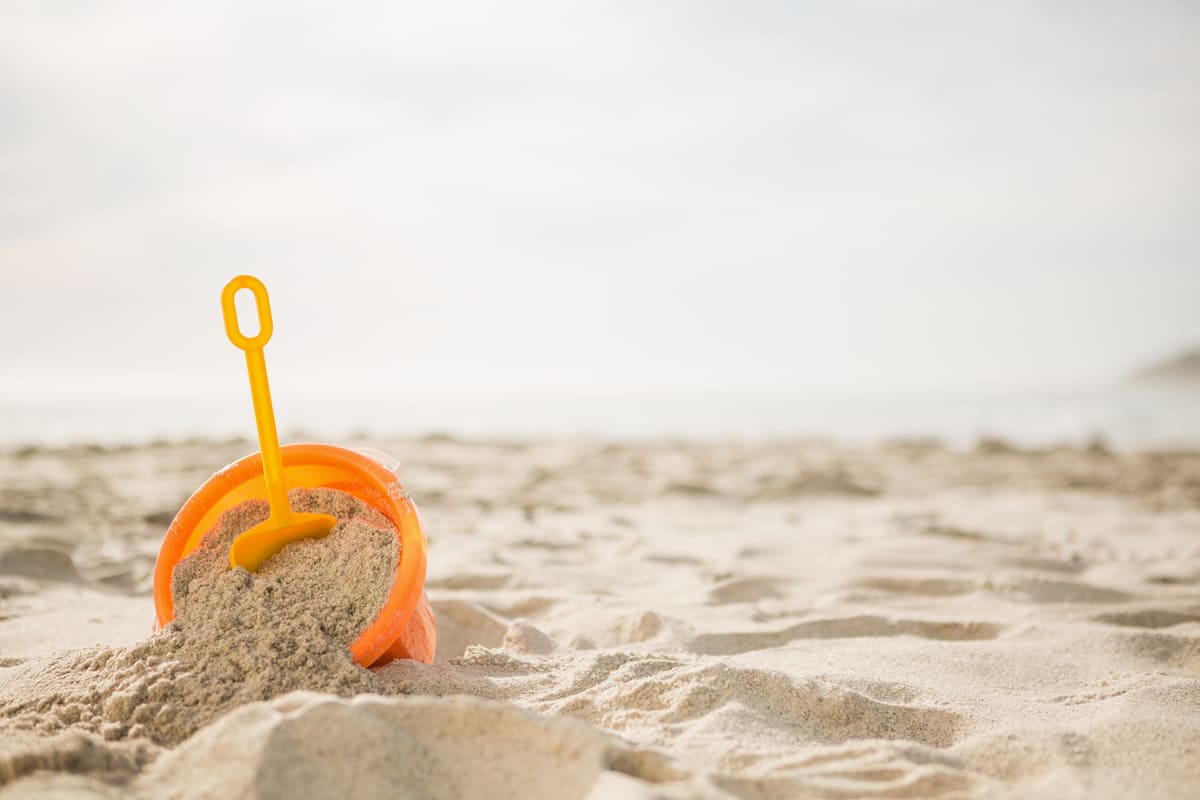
x=260, y=390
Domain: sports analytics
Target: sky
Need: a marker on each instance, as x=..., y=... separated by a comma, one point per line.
x=601, y=197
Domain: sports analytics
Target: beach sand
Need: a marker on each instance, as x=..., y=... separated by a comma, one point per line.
x=674, y=620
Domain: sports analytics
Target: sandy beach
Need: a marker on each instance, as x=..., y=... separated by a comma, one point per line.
x=669, y=620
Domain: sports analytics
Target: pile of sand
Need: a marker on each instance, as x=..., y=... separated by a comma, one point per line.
x=237, y=637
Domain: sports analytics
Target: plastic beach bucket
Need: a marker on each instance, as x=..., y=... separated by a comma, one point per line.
x=405, y=627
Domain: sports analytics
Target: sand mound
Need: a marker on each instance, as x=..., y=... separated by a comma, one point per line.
x=311, y=745
x=237, y=637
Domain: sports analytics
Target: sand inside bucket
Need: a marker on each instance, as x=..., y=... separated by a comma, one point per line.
x=237, y=637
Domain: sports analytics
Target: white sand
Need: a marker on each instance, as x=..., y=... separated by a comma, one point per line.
x=673, y=620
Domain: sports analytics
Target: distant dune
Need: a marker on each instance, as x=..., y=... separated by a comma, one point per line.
x=1181, y=370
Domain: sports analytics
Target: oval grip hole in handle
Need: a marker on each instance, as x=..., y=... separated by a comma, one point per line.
x=247, y=309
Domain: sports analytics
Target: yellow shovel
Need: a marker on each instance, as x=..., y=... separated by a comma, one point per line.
x=284, y=526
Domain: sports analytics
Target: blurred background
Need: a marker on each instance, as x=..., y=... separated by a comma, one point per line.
x=854, y=220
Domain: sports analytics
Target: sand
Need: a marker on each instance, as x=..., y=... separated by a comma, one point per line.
x=668, y=619
x=236, y=638
x=334, y=586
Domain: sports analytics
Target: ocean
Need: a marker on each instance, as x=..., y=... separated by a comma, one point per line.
x=1120, y=417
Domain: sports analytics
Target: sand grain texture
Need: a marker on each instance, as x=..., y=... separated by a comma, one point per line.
x=236, y=637
x=671, y=620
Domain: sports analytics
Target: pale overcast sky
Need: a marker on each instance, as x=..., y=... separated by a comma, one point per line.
x=766, y=195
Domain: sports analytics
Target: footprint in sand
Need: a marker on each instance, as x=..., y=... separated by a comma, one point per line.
x=32, y=561
x=735, y=642
x=1149, y=618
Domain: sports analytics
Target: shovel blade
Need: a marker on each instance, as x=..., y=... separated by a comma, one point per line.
x=252, y=548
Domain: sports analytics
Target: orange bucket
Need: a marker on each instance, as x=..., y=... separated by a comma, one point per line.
x=405, y=626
